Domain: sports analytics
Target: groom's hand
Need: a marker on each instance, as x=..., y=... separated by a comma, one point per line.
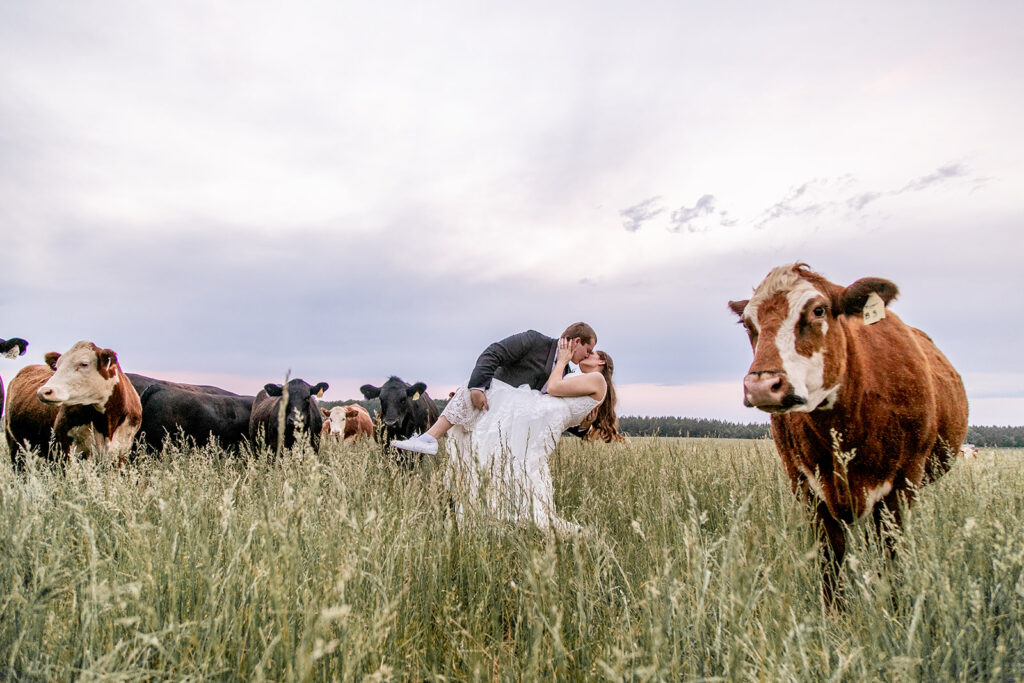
x=478, y=398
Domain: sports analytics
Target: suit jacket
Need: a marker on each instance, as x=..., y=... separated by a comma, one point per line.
x=524, y=358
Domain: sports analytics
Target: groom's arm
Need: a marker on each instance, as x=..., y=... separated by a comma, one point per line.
x=503, y=353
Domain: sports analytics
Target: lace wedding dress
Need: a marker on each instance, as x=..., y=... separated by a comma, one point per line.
x=499, y=457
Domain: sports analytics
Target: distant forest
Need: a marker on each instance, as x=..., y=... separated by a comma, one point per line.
x=630, y=425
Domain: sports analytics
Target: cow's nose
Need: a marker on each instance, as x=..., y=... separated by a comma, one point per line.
x=762, y=390
x=45, y=394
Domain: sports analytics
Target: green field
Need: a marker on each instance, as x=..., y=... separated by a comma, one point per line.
x=696, y=562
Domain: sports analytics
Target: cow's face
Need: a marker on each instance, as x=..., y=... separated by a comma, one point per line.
x=794, y=324
x=85, y=375
x=302, y=410
x=396, y=402
x=340, y=420
x=334, y=420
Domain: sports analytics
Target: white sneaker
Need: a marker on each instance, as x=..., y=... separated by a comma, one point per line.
x=423, y=443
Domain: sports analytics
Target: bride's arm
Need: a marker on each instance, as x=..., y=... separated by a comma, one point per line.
x=586, y=384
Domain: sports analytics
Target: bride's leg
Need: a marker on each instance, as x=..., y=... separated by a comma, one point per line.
x=440, y=428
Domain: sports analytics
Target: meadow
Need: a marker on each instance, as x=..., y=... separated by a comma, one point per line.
x=695, y=563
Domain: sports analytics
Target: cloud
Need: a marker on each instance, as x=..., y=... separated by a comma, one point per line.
x=800, y=201
x=941, y=175
x=640, y=213
x=858, y=202
x=834, y=198
x=685, y=218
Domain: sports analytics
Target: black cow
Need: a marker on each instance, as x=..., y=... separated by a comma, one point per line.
x=10, y=348
x=405, y=409
x=302, y=408
x=170, y=411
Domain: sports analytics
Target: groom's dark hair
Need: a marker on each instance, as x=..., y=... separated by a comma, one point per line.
x=582, y=330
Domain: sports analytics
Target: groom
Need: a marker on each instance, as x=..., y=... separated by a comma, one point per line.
x=524, y=358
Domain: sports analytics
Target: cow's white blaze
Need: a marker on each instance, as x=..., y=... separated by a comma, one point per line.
x=78, y=382
x=122, y=439
x=86, y=440
x=812, y=481
x=805, y=374
x=873, y=495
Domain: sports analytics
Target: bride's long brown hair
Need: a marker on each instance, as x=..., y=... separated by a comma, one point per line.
x=603, y=423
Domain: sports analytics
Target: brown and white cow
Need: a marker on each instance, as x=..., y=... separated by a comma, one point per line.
x=346, y=424
x=82, y=398
x=865, y=409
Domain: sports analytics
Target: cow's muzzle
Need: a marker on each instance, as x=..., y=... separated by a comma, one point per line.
x=770, y=392
x=49, y=395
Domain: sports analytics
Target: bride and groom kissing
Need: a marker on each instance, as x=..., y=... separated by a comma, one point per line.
x=505, y=421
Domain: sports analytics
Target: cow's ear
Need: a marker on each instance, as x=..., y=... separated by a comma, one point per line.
x=369, y=391
x=273, y=389
x=738, y=307
x=326, y=412
x=349, y=410
x=319, y=389
x=856, y=295
x=105, y=362
x=51, y=359
x=415, y=390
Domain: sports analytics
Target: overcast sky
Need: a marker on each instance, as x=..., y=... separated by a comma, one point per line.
x=224, y=192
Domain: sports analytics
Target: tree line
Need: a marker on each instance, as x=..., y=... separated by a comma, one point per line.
x=633, y=425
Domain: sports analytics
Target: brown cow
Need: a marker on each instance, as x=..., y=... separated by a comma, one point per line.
x=865, y=409
x=82, y=398
x=346, y=424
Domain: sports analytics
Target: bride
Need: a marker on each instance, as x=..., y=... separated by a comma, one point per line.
x=499, y=457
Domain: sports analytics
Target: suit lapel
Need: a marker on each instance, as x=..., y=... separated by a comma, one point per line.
x=550, y=364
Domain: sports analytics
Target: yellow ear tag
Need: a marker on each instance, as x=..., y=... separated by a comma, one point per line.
x=874, y=309
x=416, y=396
x=320, y=394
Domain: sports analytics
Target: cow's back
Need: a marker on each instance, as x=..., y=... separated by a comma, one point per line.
x=27, y=419
x=922, y=393
x=950, y=406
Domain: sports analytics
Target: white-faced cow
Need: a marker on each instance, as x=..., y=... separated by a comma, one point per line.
x=405, y=409
x=346, y=424
x=865, y=409
x=10, y=348
x=82, y=398
x=302, y=412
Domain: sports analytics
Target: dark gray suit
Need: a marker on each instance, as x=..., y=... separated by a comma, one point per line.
x=524, y=358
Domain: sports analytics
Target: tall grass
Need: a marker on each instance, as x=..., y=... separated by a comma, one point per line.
x=695, y=562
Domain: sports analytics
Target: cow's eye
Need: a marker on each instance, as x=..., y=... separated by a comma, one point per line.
x=84, y=364
x=819, y=311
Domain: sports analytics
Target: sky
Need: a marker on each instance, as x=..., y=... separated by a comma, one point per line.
x=226, y=193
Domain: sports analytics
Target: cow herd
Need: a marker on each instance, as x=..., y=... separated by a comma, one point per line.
x=864, y=408
x=82, y=402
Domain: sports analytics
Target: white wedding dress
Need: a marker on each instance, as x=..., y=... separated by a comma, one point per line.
x=499, y=457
